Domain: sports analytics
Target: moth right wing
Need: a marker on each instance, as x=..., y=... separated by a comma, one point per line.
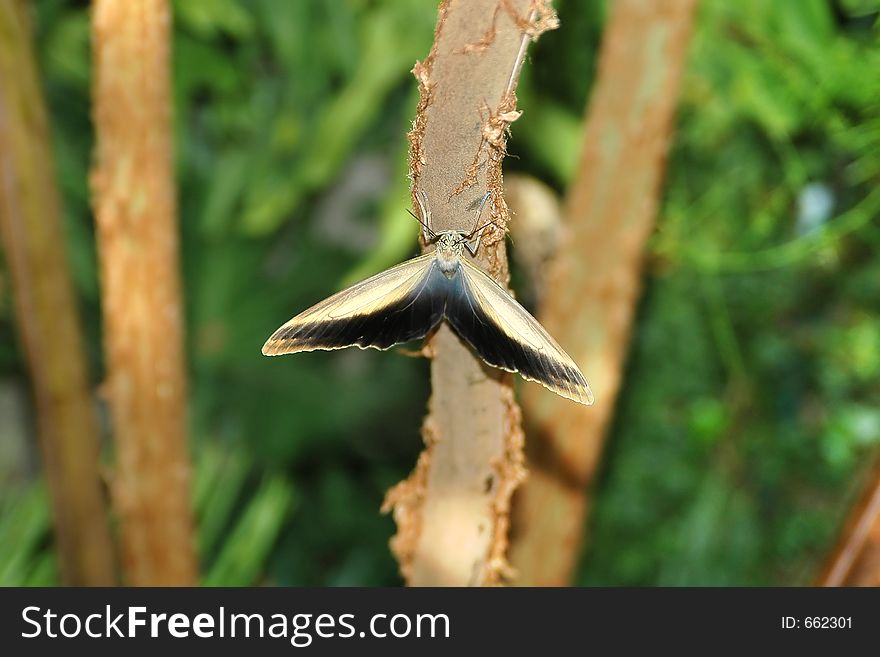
x=397, y=305
x=505, y=335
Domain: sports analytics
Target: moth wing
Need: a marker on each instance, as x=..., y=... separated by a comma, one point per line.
x=397, y=305
x=505, y=335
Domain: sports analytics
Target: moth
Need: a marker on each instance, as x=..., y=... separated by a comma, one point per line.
x=408, y=301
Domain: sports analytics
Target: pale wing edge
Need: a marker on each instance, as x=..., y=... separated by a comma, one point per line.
x=561, y=374
x=290, y=338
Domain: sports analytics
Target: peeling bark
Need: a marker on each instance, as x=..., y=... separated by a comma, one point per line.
x=594, y=283
x=33, y=240
x=134, y=199
x=453, y=511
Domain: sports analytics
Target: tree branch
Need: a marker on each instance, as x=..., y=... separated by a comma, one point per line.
x=856, y=559
x=134, y=200
x=452, y=512
x=33, y=239
x=594, y=283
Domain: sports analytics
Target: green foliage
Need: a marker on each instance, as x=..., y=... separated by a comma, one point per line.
x=27, y=558
x=752, y=388
x=234, y=543
x=751, y=395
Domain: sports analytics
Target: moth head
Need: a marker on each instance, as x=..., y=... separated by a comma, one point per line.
x=449, y=244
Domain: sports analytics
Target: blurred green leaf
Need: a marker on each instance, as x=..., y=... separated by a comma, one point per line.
x=380, y=66
x=67, y=51
x=209, y=18
x=247, y=546
x=24, y=527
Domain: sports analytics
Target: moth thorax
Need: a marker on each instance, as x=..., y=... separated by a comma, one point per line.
x=448, y=253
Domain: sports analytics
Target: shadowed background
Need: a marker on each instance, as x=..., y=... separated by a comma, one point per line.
x=748, y=410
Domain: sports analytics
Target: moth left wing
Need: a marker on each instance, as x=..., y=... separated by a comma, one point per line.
x=505, y=335
x=397, y=305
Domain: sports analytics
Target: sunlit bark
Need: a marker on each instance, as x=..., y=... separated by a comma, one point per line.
x=134, y=200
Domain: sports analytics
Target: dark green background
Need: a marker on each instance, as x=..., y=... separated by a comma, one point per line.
x=750, y=401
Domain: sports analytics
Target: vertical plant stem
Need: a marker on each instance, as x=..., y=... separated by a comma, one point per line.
x=134, y=200
x=452, y=512
x=33, y=241
x=594, y=283
x=856, y=558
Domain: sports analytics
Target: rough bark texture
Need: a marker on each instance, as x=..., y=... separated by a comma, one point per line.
x=856, y=559
x=453, y=511
x=33, y=240
x=594, y=283
x=138, y=248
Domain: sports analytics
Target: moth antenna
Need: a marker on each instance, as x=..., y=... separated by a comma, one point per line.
x=424, y=225
x=471, y=235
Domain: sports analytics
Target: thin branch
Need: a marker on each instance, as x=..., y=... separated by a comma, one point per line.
x=30, y=227
x=134, y=199
x=453, y=511
x=856, y=559
x=594, y=283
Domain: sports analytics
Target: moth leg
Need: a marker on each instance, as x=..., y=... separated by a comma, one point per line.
x=425, y=211
x=473, y=241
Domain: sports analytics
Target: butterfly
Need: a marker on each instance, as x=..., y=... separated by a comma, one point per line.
x=408, y=301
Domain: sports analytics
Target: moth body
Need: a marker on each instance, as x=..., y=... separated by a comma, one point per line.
x=448, y=252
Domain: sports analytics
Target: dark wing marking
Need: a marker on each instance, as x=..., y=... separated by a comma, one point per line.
x=400, y=304
x=505, y=335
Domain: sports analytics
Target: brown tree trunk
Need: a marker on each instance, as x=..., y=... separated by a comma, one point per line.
x=856, y=559
x=594, y=283
x=134, y=200
x=452, y=512
x=33, y=240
